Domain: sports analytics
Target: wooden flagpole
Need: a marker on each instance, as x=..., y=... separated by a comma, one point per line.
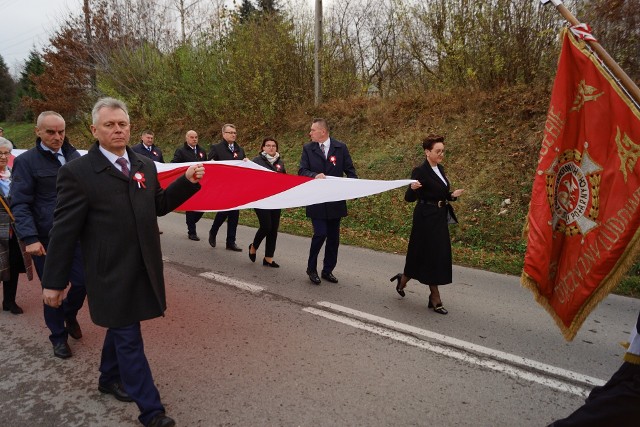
x=617, y=71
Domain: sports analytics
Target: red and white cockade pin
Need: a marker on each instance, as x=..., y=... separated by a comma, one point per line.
x=235, y=155
x=200, y=155
x=155, y=154
x=332, y=159
x=278, y=167
x=139, y=178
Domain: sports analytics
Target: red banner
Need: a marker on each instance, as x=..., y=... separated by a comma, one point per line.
x=582, y=226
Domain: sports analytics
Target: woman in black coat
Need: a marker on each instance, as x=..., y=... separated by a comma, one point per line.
x=269, y=218
x=429, y=252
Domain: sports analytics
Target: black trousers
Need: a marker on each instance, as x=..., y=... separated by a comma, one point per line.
x=617, y=403
x=192, y=218
x=269, y=223
x=232, y=218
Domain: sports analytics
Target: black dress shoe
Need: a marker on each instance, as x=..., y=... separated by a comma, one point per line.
x=194, y=237
x=12, y=307
x=73, y=328
x=62, y=350
x=252, y=256
x=161, y=420
x=313, y=276
x=329, y=277
x=117, y=390
x=212, y=240
x=233, y=247
x=270, y=264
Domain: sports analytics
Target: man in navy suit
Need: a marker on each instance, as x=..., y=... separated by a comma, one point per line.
x=322, y=157
x=109, y=199
x=147, y=148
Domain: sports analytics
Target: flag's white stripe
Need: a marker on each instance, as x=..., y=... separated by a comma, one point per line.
x=325, y=190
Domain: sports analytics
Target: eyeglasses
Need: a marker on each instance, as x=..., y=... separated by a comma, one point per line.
x=5, y=154
x=233, y=133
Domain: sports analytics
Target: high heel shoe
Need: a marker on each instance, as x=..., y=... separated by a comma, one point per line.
x=400, y=290
x=270, y=264
x=438, y=308
x=252, y=256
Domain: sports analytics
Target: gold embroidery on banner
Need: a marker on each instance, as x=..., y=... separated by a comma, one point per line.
x=585, y=93
x=573, y=192
x=628, y=151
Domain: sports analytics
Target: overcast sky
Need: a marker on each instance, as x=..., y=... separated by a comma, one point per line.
x=28, y=23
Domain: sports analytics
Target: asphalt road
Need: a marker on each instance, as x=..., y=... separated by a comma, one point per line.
x=246, y=345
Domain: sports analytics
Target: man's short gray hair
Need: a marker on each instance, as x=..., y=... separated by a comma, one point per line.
x=228, y=125
x=110, y=103
x=45, y=114
x=5, y=143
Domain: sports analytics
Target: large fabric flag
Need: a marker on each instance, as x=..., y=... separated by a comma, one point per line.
x=583, y=219
x=236, y=184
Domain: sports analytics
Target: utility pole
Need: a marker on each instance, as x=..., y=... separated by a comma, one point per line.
x=88, y=36
x=317, y=51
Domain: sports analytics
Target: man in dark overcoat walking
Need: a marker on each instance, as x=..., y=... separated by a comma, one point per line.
x=109, y=199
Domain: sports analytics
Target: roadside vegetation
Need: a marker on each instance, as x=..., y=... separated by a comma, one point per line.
x=392, y=70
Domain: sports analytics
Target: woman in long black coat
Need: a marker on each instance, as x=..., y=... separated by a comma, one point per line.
x=269, y=218
x=429, y=252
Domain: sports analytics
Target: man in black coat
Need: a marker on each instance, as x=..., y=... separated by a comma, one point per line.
x=190, y=152
x=33, y=198
x=109, y=199
x=227, y=149
x=147, y=148
x=322, y=157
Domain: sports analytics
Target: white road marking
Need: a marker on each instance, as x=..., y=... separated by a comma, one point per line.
x=233, y=282
x=467, y=346
x=455, y=354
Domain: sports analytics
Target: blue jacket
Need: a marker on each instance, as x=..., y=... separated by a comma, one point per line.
x=337, y=163
x=33, y=191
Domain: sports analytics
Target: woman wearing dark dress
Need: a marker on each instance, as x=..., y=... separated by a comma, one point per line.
x=269, y=218
x=429, y=253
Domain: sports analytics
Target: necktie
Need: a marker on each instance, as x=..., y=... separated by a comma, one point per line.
x=324, y=153
x=149, y=148
x=231, y=148
x=123, y=165
x=60, y=158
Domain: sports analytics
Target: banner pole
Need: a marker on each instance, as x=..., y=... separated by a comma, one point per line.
x=617, y=71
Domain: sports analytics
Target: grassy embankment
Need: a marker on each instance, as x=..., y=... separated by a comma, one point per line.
x=493, y=141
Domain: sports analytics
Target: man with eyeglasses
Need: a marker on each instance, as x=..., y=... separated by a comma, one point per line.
x=227, y=149
x=33, y=200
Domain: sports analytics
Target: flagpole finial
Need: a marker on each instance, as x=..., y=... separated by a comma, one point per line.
x=555, y=2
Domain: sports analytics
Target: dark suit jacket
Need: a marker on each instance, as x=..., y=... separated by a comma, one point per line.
x=116, y=223
x=220, y=151
x=278, y=166
x=337, y=163
x=155, y=154
x=186, y=154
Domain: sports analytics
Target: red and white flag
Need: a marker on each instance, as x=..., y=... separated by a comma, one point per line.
x=236, y=184
x=582, y=226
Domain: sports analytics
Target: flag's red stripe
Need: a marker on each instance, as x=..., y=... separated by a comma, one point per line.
x=224, y=186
